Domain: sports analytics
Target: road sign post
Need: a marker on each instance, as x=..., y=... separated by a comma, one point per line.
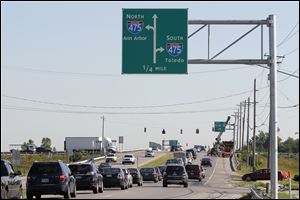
x=154, y=41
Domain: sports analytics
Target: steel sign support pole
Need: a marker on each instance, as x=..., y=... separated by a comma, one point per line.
x=273, y=106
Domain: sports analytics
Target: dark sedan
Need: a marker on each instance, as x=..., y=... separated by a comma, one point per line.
x=114, y=177
x=87, y=177
x=149, y=174
x=137, y=178
x=206, y=161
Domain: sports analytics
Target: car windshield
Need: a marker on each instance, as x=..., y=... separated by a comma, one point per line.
x=176, y=169
x=104, y=165
x=192, y=168
x=132, y=170
x=128, y=156
x=111, y=170
x=80, y=169
x=110, y=155
x=147, y=170
x=45, y=168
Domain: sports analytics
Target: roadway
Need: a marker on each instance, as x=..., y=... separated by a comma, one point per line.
x=217, y=184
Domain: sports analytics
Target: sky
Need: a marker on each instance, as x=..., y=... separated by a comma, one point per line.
x=71, y=53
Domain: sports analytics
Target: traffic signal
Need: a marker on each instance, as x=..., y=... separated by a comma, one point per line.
x=197, y=131
x=163, y=131
x=145, y=130
x=180, y=131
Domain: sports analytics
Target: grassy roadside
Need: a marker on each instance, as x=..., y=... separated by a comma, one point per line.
x=285, y=163
x=281, y=195
x=27, y=160
x=161, y=160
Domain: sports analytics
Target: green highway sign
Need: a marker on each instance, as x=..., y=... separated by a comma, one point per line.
x=219, y=127
x=154, y=41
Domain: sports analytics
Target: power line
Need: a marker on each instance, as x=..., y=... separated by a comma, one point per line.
x=97, y=74
x=126, y=107
x=289, y=53
x=293, y=106
x=280, y=71
x=12, y=107
x=289, y=76
x=288, y=35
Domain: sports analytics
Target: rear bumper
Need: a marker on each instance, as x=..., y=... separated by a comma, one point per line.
x=86, y=185
x=175, y=180
x=48, y=189
x=114, y=183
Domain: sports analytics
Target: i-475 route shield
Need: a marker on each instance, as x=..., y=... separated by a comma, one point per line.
x=154, y=41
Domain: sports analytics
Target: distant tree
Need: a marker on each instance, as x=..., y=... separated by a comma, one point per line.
x=289, y=145
x=46, y=143
x=296, y=146
x=25, y=144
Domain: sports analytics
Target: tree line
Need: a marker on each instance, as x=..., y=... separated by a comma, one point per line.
x=46, y=144
x=290, y=145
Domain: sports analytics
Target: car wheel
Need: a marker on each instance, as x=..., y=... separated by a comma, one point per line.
x=38, y=196
x=155, y=181
x=200, y=179
x=101, y=188
x=95, y=190
x=123, y=187
x=74, y=192
x=248, y=178
x=29, y=195
x=131, y=185
x=67, y=194
x=165, y=184
x=185, y=185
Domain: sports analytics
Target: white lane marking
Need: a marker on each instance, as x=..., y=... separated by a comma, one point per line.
x=212, y=173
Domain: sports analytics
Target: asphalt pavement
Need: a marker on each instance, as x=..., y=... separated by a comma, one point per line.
x=217, y=184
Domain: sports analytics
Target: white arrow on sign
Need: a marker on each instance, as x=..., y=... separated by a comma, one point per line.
x=153, y=28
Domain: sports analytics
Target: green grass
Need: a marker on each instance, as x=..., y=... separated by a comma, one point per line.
x=284, y=195
x=158, y=161
x=27, y=160
x=250, y=184
x=285, y=163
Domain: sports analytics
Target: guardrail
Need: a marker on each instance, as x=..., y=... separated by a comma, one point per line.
x=255, y=194
x=102, y=157
x=234, y=162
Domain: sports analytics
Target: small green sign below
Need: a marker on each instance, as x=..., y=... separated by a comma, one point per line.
x=154, y=41
x=219, y=127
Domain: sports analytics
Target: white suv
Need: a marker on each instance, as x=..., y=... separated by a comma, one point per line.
x=111, y=157
x=128, y=158
x=149, y=153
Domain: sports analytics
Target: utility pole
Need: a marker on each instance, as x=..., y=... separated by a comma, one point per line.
x=248, y=124
x=234, y=133
x=237, y=130
x=254, y=127
x=241, y=148
x=102, y=146
x=273, y=105
x=244, y=124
